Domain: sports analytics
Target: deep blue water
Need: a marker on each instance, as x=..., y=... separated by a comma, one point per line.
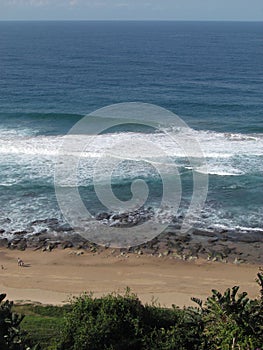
x=208, y=73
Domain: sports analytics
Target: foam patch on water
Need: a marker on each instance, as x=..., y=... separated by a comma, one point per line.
x=226, y=154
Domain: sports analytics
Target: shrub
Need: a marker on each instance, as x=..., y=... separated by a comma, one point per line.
x=111, y=322
x=123, y=322
x=10, y=333
x=233, y=321
x=172, y=329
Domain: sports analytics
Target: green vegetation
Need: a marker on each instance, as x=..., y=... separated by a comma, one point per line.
x=11, y=335
x=42, y=324
x=228, y=321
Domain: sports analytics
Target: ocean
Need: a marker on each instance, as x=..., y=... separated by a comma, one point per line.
x=210, y=74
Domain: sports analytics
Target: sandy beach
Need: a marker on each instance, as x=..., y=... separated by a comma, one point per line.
x=53, y=277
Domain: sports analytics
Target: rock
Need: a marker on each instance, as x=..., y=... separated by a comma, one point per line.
x=211, y=254
x=125, y=219
x=93, y=249
x=213, y=240
x=66, y=244
x=238, y=261
x=176, y=255
x=196, y=248
x=18, y=243
x=183, y=238
x=191, y=257
x=40, y=232
x=4, y=242
x=2, y=231
x=79, y=253
x=17, y=233
x=62, y=228
x=22, y=245
x=167, y=252
x=43, y=238
x=102, y=216
x=204, y=233
x=76, y=252
x=115, y=223
x=50, y=246
x=227, y=250
x=38, y=245
x=179, y=247
x=49, y=222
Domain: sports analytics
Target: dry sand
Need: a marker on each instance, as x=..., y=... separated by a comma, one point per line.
x=53, y=277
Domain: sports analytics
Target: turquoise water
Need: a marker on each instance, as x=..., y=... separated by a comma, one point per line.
x=208, y=73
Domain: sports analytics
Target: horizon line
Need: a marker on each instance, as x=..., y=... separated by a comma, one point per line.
x=131, y=20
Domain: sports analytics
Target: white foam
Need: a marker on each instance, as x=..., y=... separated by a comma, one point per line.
x=212, y=169
x=213, y=144
x=248, y=229
x=226, y=154
x=9, y=132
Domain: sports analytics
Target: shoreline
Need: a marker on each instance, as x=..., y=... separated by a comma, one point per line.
x=222, y=245
x=51, y=277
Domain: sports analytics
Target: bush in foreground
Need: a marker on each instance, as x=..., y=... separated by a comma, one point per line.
x=123, y=322
x=232, y=321
x=11, y=336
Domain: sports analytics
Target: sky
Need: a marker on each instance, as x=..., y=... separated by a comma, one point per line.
x=240, y=10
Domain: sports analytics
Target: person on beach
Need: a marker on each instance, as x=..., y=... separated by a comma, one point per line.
x=20, y=262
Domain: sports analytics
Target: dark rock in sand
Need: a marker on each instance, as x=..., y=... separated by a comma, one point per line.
x=52, y=245
x=179, y=247
x=22, y=245
x=66, y=244
x=34, y=243
x=38, y=233
x=2, y=231
x=4, y=242
x=183, y=238
x=227, y=250
x=93, y=249
x=196, y=248
x=213, y=240
x=18, y=243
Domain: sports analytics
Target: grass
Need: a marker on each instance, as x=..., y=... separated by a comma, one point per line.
x=42, y=324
